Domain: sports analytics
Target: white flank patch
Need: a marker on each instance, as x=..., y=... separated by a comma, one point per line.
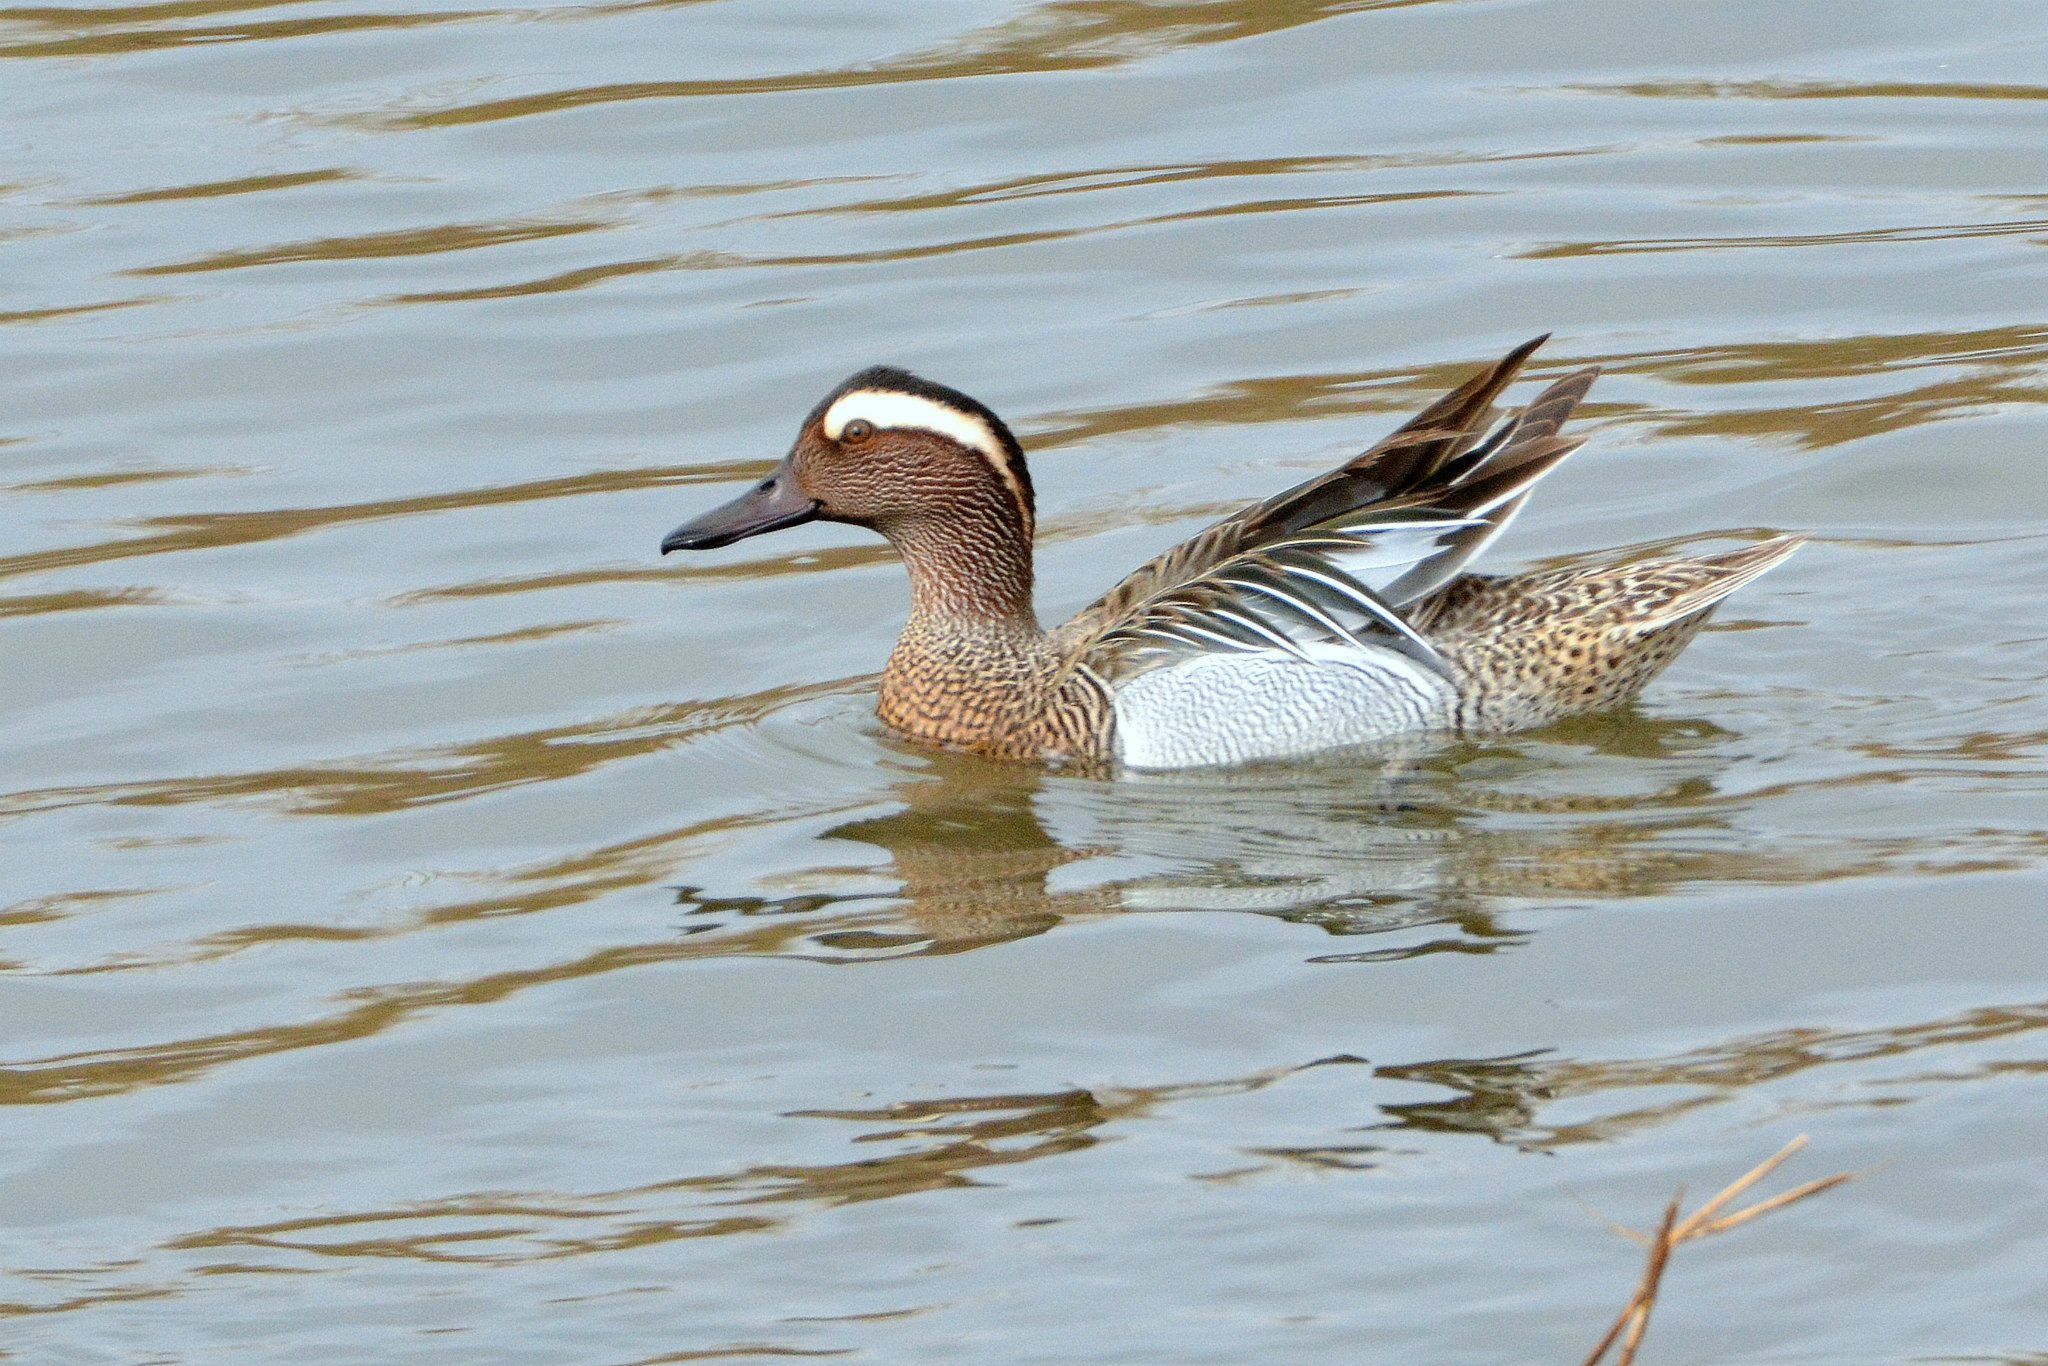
x=1237, y=707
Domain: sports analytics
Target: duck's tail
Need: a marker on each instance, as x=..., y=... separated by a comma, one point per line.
x=1699, y=582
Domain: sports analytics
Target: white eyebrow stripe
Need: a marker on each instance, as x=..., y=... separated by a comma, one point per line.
x=887, y=408
x=881, y=408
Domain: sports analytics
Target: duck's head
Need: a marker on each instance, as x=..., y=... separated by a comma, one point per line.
x=884, y=450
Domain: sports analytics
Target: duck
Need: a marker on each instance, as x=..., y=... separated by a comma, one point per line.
x=1337, y=613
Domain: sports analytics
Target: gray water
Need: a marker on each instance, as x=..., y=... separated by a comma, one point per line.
x=437, y=930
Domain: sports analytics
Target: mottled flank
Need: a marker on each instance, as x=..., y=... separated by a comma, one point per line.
x=1536, y=648
x=1336, y=612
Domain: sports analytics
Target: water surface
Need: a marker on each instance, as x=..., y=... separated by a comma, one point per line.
x=436, y=930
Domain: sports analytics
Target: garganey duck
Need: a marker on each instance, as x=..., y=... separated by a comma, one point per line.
x=1336, y=613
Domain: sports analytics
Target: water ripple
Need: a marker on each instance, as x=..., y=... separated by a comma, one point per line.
x=1065, y=35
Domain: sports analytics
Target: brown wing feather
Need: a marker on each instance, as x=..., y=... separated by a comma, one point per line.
x=1411, y=469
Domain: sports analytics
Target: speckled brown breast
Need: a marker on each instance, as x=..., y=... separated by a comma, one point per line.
x=1000, y=692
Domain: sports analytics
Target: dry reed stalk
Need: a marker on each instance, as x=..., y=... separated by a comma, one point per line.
x=1634, y=1320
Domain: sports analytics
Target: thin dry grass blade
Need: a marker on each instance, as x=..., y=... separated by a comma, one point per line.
x=1621, y=1230
x=1635, y=1315
x=1633, y=1322
x=1653, y=1278
x=1797, y=1193
x=1738, y=1186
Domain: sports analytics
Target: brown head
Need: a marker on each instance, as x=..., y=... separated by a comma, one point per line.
x=926, y=466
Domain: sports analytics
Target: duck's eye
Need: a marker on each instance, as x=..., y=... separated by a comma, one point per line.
x=856, y=432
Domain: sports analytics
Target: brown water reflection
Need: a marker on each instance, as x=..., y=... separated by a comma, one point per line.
x=217, y=530
x=970, y=856
x=216, y=189
x=958, y=1143
x=117, y=30
x=1821, y=90
x=1504, y=1098
x=420, y=778
x=412, y=242
x=1997, y=366
x=941, y=1144
x=1064, y=35
x=119, y=43
x=110, y=1072
x=2018, y=227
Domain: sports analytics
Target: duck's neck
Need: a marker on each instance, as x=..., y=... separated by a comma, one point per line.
x=971, y=667
x=970, y=572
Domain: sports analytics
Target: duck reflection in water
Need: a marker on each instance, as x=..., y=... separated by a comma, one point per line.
x=1386, y=844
